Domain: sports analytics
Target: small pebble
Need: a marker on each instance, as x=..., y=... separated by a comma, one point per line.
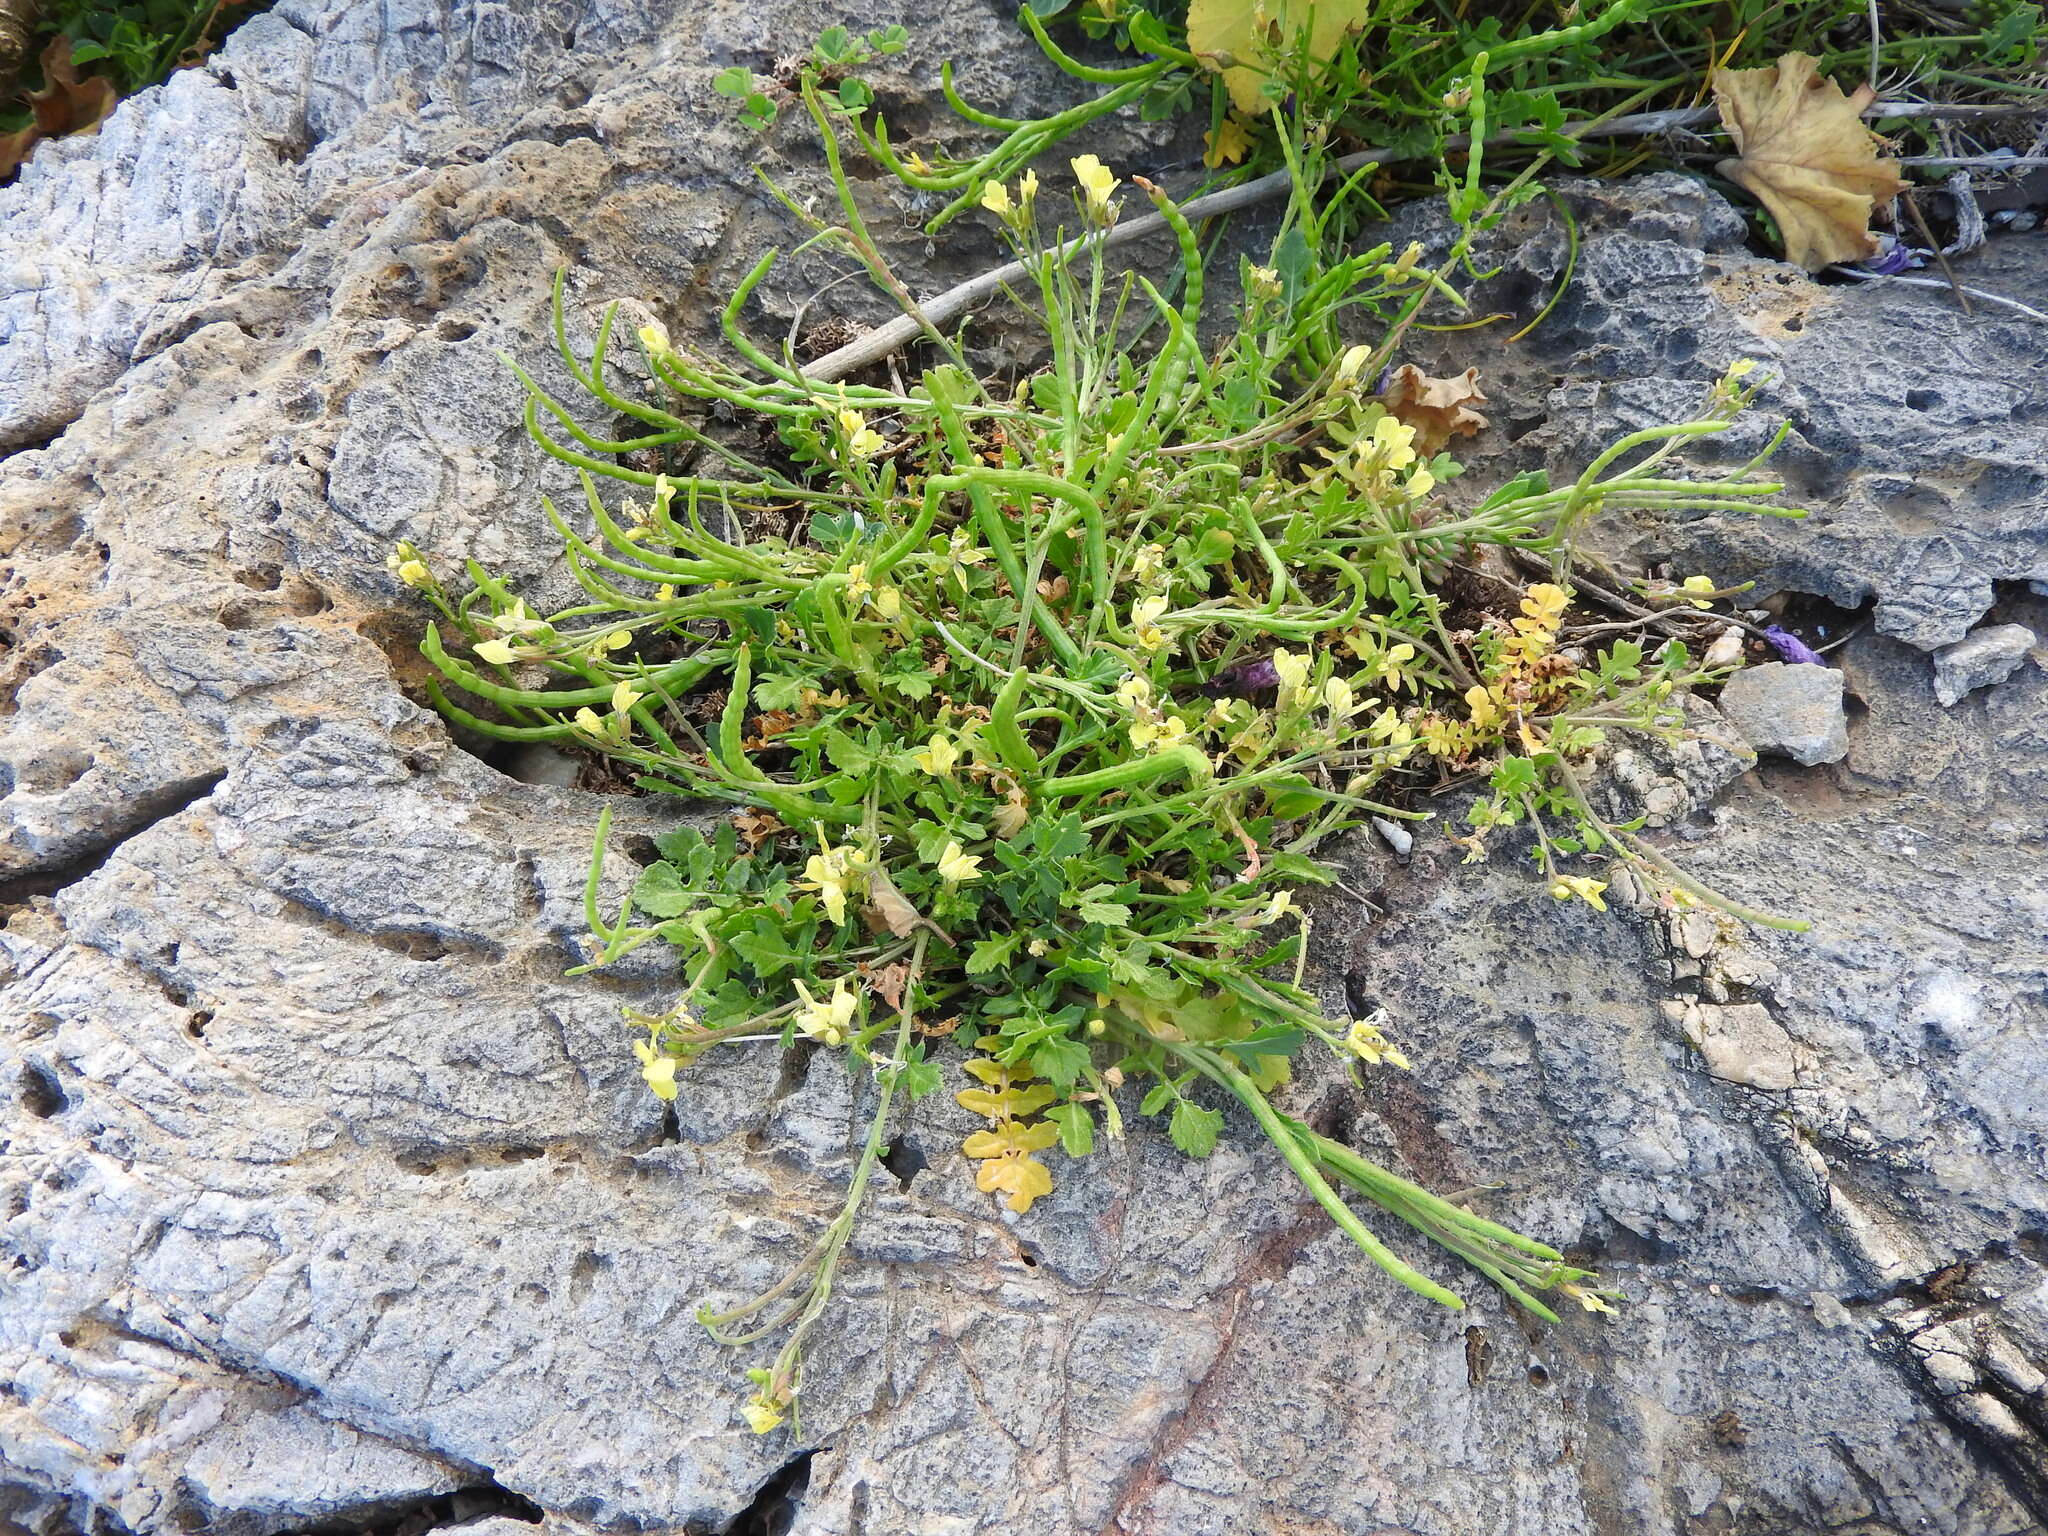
x=1726, y=649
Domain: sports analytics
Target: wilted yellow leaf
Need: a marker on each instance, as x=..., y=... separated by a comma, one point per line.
x=1438, y=409
x=1023, y=1179
x=1253, y=34
x=1806, y=156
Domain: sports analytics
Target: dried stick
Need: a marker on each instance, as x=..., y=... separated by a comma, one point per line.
x=884, y=339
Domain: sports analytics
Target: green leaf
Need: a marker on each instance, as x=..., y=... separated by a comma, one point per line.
x=764, y=947
x=1291, y=795
x=660, y=892
x=920, y=1077
x=1157, y=1099
x=1092, y=906
x=737, y=81
x=1060, y=1061
x=1273, y=1040
x=993, y=954
x=1195, y=1129
x=1295, y=869
x=1077, y=1128
x=781, y=691
x=833, y=44
x=1514, y=776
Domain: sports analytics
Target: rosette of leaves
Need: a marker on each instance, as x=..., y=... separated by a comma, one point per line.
x=1028, y=703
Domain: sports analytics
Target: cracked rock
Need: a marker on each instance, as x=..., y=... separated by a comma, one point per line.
x=325, y=1190
x=1790, y=711
x=1983, y=657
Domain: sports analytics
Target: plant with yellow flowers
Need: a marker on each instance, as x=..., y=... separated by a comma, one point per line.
x=1030, y=730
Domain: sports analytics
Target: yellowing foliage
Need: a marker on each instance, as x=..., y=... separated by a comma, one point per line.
x=1806, y=156
x=1245, y=39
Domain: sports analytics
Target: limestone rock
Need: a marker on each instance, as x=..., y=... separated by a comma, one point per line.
x=327, y=1195
x=1790, y=711
x=1924, y=482
x=1983, y=657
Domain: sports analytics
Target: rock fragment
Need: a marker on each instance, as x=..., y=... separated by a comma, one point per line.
x=1789, y=711
x=1981, y=658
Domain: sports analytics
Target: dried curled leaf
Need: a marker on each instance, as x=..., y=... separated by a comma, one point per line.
x=66, y=104
x=1806, y=156
x=1246, y=38
x=1438, y=409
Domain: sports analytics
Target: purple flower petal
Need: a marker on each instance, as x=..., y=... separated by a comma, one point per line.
x=1792, y=648
x=1897, y=256
x=1242, y=680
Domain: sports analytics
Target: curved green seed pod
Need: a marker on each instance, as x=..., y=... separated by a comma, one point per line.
x=1185, y=760
x=1004, y=733
x=676, y=677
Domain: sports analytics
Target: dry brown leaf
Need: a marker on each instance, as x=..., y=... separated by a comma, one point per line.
x=1438, y=409
x=893, y=910
x=1806, y=156
x=66, y=104
x=756, y=827
x=887, y=983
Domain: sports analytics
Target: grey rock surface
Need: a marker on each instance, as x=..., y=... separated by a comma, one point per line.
x=1789, y=710
x=1918, y=436
x=326, y=1197
x=1981, y=658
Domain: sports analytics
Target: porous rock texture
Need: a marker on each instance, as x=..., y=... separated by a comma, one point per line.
x=328, y=1198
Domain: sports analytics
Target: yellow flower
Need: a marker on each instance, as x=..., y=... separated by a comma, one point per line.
x=828, y=874
x=761, y=1415
x=1134, y=692
x=1265, y=282
x=1158, y=734
x=1028, y=185
x=964, y=551
x=1592, y=1301
x=917, y=163
x=497, y=652
x=1144, y=623
x=517, y=620
x=1702, y=588
x=829, y=1021
x=1280, y=904
x=1393, y=442
x=1338, y=699
x=1097, y=183
x=658, y=1068
x=1227, y=144
x=1292, y=669
x=857, y=583
x=938, y=758
x=1421, y=483
x=654, y=337
x=956, y=866
x=1148, y=563
x=862, y=441
x=624, y=697
x=888, y=602
x=1351, y=364
x=617, y=640
x=591, y=722
x=1565, y=887
x=995, y=197
x=1367, y=1043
